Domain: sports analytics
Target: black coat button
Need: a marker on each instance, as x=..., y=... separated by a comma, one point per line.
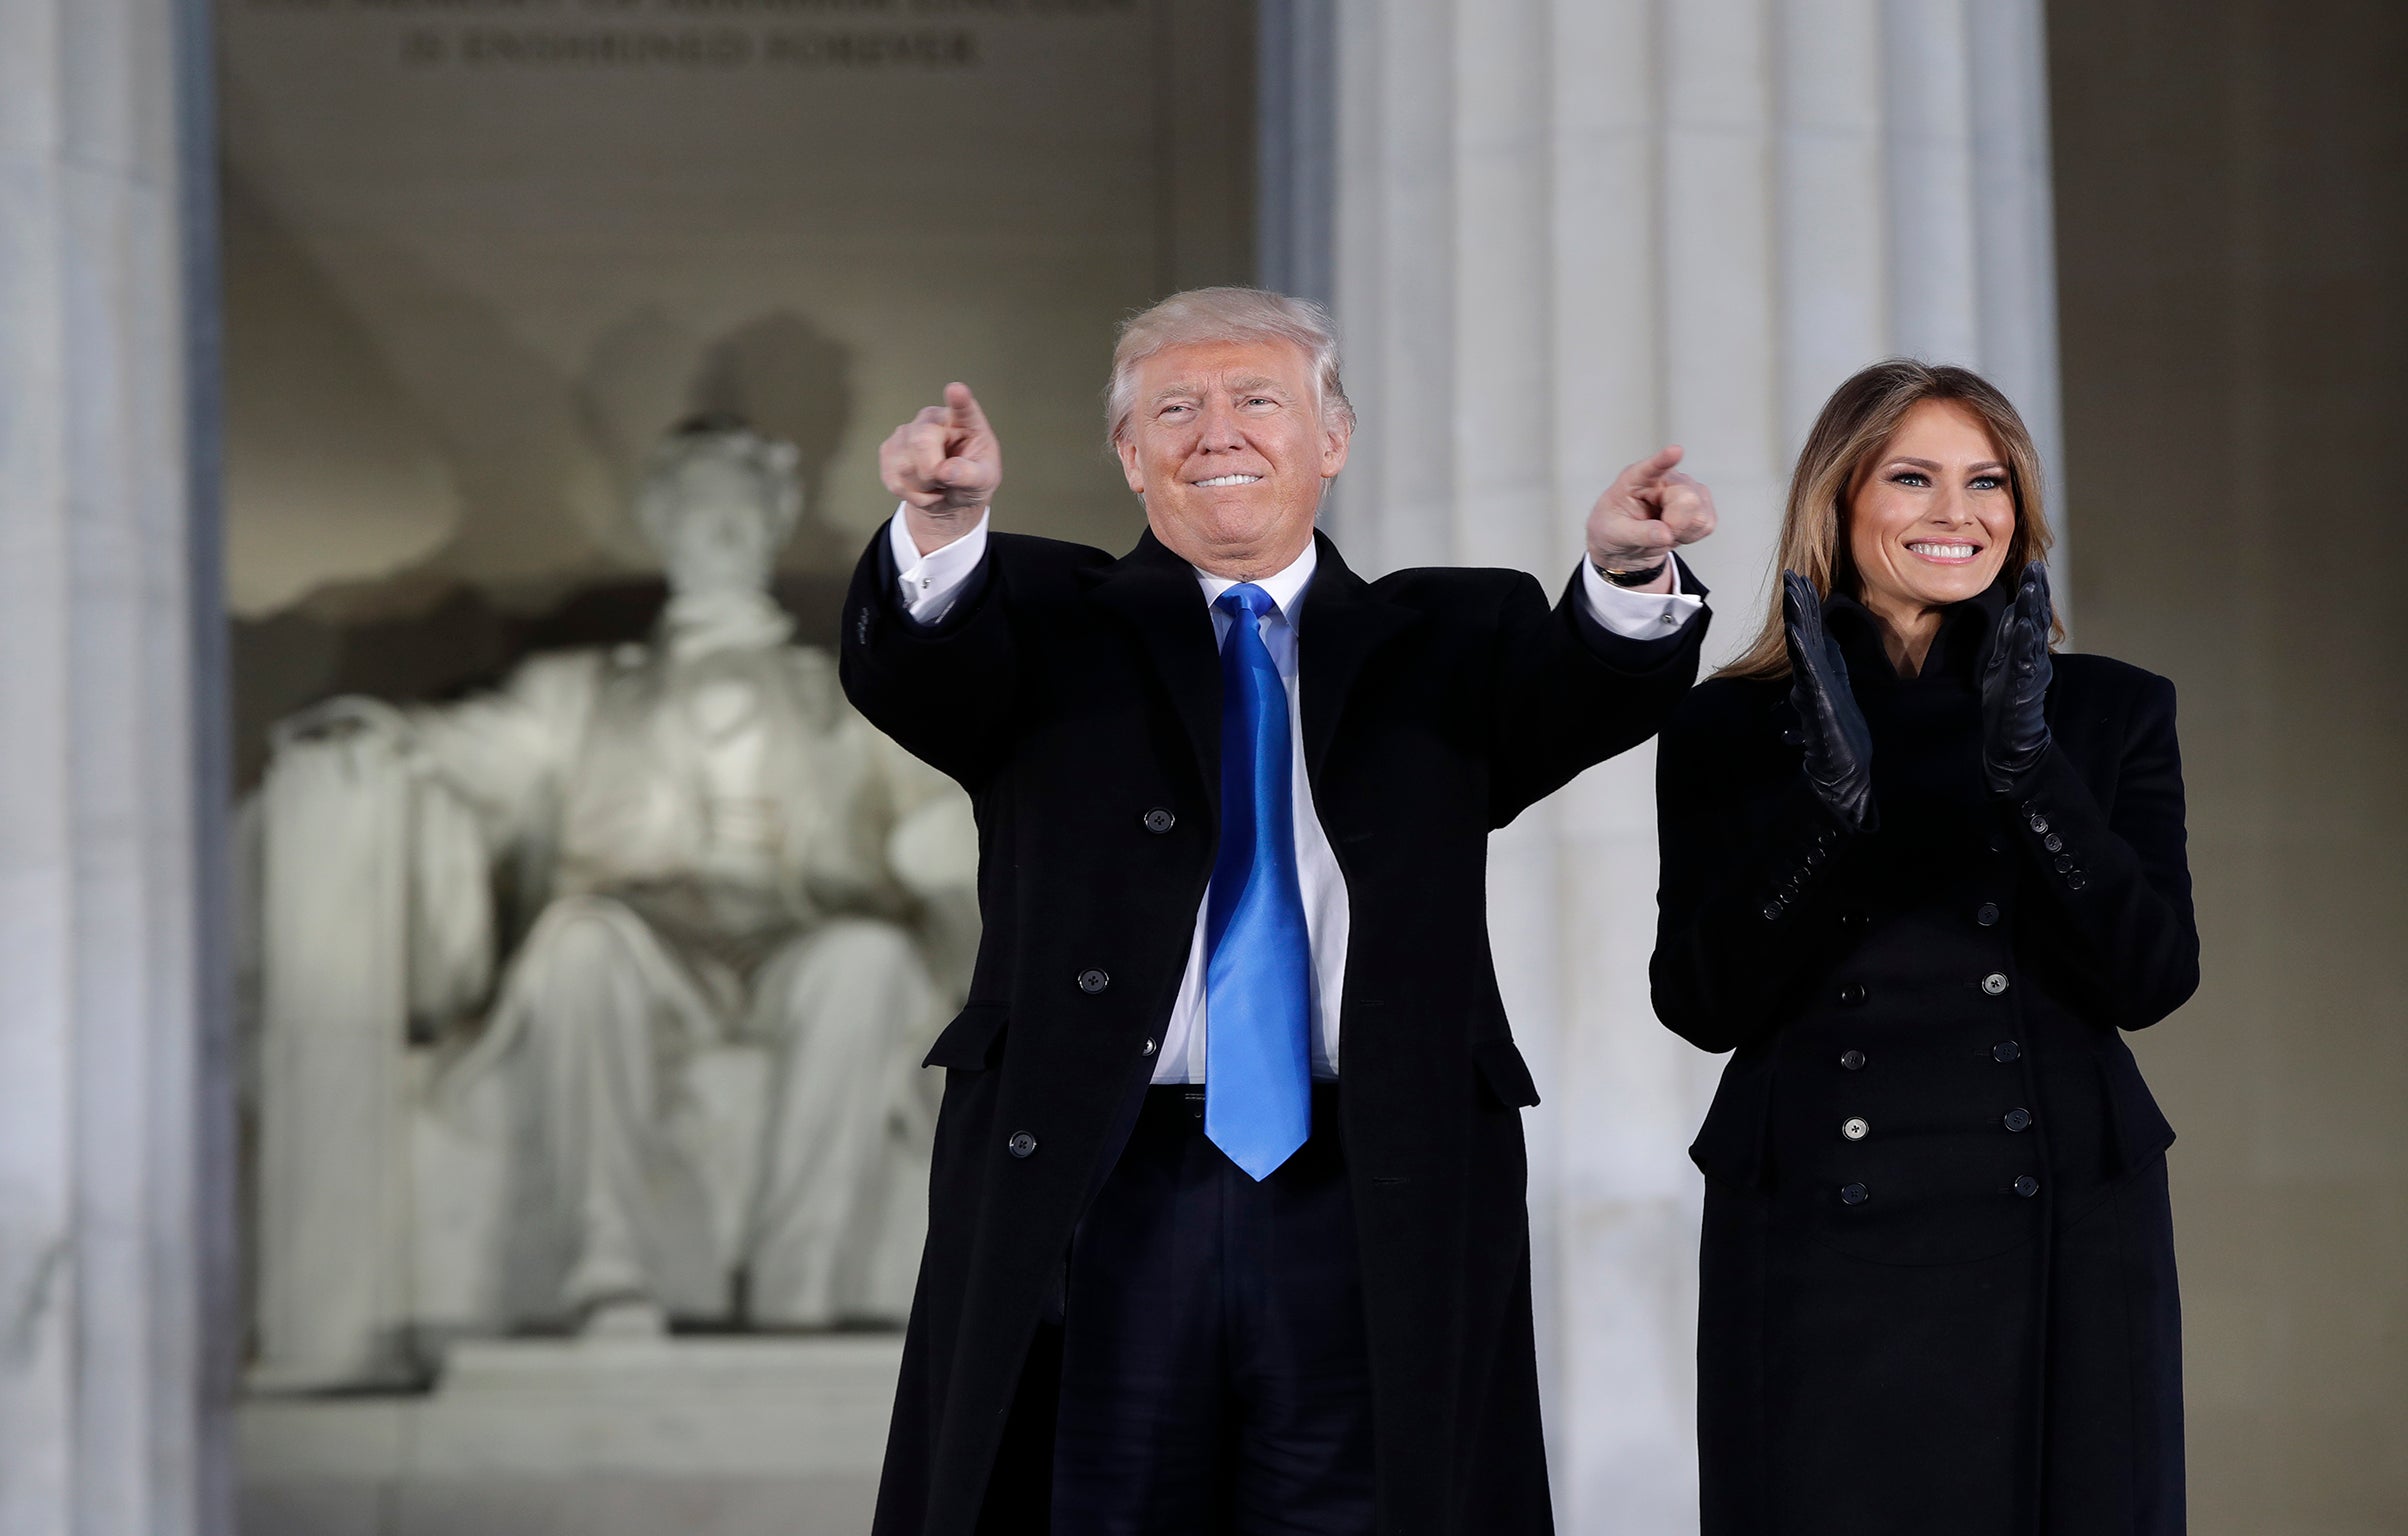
x=1770, y=911
x=2039, y=822
x=1149, y=1048
x=2027, y=1186
x=2006, y=1050
x=2018, y=1120
x=1994, y=983
x=2053, y=843
x=1986, y=914
x=1021, y=1144
x=1854, y=1061
x=1853, y=992
x=1854, y=917
x=2065, y=861
x=1852, y=1194
x=2077, y=880
x=1093, y=981
x=1160, y=820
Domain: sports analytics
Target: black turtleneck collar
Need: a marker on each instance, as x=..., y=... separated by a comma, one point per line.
x=1966, y=631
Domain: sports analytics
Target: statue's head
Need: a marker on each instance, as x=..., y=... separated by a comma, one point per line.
x=718, y=501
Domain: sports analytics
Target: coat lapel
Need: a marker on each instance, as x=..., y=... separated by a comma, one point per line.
x=1343, y=622
x=1155, y=593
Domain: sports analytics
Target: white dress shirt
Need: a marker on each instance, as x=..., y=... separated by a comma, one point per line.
x=928, y=585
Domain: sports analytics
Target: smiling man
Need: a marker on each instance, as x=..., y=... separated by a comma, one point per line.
x=1227, y=1228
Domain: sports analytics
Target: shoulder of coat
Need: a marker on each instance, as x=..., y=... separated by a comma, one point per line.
x=2104, y=677
x=1730, y=705
x=1030, y=552
x=1425, y=585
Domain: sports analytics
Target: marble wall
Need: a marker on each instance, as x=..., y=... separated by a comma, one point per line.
x=478, y=257
x=2233, y=257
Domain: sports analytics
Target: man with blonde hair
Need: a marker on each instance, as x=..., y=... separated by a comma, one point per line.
x=1187, y=1272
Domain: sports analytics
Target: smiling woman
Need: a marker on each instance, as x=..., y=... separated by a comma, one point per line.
x=1919, y=876
x=1911, y=454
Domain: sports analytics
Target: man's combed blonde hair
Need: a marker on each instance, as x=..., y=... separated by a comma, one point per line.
x=1856, y=424
x=1225, y=314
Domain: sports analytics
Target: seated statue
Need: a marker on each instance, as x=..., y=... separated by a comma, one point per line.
x=715, y=859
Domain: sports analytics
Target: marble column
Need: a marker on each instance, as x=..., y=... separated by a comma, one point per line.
x=110, y=1416
x=1568, y=231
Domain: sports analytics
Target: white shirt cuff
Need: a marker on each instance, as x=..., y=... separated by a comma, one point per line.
x=928, y=584
x=1637, y=615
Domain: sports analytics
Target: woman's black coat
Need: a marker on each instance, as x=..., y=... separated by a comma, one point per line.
x=1937, y=1272
x=1077, y=698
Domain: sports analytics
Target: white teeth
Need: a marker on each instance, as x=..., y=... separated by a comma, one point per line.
x=1944, y=551
x=1230, y=480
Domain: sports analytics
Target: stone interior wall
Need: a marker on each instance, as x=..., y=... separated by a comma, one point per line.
x=2232, y=220
x=478, y=256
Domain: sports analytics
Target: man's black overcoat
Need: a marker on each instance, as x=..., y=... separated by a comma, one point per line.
x=1937, y=1287
x=1077, y=699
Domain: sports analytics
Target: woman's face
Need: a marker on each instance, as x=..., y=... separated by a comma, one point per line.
x=1931, y=518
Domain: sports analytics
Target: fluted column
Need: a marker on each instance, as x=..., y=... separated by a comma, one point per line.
x=1568, y=231
x=103, y=1428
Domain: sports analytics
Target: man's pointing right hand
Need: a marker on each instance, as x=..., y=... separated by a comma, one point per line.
x=944, y=464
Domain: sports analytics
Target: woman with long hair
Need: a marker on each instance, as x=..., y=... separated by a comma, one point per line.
x=1920, y=872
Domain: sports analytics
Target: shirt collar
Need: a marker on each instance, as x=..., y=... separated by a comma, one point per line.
x=1285, y=588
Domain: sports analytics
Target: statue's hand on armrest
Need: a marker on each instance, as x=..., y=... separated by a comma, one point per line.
x=344, y=717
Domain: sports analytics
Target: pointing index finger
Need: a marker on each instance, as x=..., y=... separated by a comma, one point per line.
x=1656, y=465
x=962, y=406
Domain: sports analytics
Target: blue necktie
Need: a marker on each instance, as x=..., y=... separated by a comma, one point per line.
x=1257, y=1080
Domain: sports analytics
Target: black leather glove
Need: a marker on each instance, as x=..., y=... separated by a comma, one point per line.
x=2015, y=685
x=1839, y=746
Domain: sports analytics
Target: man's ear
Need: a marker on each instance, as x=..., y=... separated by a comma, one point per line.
x=1335, y=442
x=1128, y=464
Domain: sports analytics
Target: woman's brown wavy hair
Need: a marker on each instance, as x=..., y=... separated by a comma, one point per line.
x=1856, y=424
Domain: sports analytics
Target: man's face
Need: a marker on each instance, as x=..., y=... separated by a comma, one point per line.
x=1226, y=444
x=714, y=528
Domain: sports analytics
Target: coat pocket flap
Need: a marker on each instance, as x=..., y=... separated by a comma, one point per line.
x=968, y=1043
x=1505, y=1073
